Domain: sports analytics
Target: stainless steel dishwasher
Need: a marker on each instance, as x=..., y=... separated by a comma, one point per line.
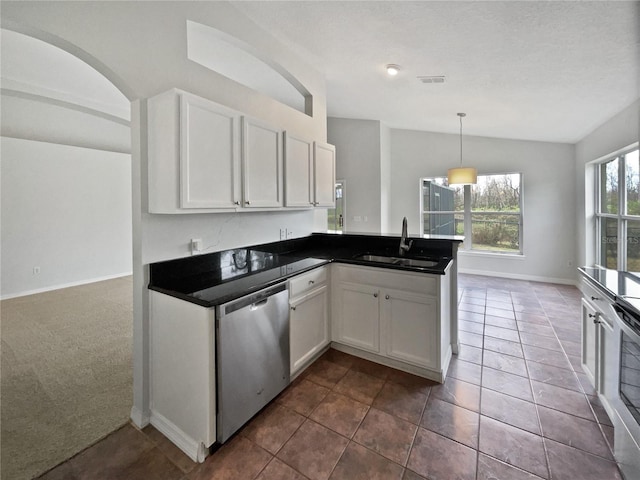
x=252, y=345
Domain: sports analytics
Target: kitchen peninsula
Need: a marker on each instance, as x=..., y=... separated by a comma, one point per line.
x=358, y=293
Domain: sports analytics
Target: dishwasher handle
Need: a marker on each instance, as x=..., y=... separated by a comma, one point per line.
x=257, y=305
x=254, y=301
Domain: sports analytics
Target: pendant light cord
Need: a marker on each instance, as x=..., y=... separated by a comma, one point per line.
x=461, y=139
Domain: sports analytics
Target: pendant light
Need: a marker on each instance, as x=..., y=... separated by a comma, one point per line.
x=462, y=175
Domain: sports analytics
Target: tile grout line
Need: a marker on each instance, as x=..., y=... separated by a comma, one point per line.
x=591, y=408
x=535, y=403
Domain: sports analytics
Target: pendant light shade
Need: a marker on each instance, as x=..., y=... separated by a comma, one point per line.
x=462, y=175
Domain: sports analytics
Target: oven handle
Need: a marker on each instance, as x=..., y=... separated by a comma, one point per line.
x=626, y=328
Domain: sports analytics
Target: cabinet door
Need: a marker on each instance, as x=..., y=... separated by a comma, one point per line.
x=209, y=160
x=308, y=327
x=411, y=325
x=262, y=164
x=607, y=373
x=589, y=341
x=298, y=172
x=358, y=316
x=324, y=159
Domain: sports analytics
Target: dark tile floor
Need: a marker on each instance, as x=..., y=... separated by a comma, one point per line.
x=515, y=406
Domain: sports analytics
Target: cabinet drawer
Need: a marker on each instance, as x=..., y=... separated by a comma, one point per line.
x=307, y=281
x=598, y=300
x=387, y=278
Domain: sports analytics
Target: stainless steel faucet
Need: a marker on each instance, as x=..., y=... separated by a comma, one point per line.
x=404, y=245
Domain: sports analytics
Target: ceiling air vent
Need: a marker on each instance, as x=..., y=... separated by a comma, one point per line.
x=431, y=78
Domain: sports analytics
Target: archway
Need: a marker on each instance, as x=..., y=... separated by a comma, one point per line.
x=67, y=368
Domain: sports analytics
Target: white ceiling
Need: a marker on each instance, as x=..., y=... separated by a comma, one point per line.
x=544, y=70
x=539, y=70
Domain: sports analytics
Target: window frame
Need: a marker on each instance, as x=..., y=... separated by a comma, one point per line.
x=467, y=245
x=622, y=217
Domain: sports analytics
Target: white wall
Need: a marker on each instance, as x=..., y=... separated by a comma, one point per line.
x=34, y=119
x=358, y=162
x=385, y=178
x=66, y=210
x=548, y=195
x=617, y=133
x=220, y=231
x=66, y=195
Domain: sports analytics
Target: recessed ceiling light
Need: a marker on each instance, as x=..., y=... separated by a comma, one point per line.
x=393, y=69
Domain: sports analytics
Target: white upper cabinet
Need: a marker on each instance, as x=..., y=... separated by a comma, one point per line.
x=262, y=164
x=324, y=166
x=310, y=173
x=209, y=159
x=298, y=168
x=205, y=158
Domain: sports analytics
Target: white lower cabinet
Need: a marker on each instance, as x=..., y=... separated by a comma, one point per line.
x=358, y=316
x=411, y=322
x=308, y=317
x=308, y=327
x=607, y=377
x=395, y=317
x=182, y=373
x=590, y=317
x=599, y=344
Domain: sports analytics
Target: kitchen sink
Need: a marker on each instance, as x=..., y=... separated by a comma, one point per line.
x=405, y=262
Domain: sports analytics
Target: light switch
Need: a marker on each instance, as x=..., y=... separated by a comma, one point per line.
x=196, y=245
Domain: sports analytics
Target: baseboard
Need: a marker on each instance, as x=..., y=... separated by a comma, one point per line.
x=437, y=376
x=64, y=285
x=517, y=276
x=607, y=406
x=139, y=418
x=195, y=450
x=447, y=361
x=309, y=361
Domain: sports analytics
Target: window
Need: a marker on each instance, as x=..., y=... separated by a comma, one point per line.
x=618, y=212
x=490, y=210
x=335, y=216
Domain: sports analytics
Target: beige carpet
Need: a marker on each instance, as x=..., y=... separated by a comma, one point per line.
x=66, y=373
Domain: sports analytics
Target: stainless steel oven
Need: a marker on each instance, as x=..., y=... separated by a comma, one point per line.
x=630, y=374
x=629, y=380
x=627, y=405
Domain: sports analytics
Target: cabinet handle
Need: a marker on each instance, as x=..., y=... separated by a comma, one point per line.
x=387, y=297
x=375, y=295
x=311, y=282
x=596, y=321
x=236, y=202
x=591, y=315
x=247, y=202
x=594, y=298
x=293, y=308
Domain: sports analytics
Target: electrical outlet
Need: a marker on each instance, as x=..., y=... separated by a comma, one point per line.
x=283, y=233
x=289, y=234
x=36, y=270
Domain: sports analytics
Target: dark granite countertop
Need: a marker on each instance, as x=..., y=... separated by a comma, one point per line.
x=216, y=278
x=615, y=283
